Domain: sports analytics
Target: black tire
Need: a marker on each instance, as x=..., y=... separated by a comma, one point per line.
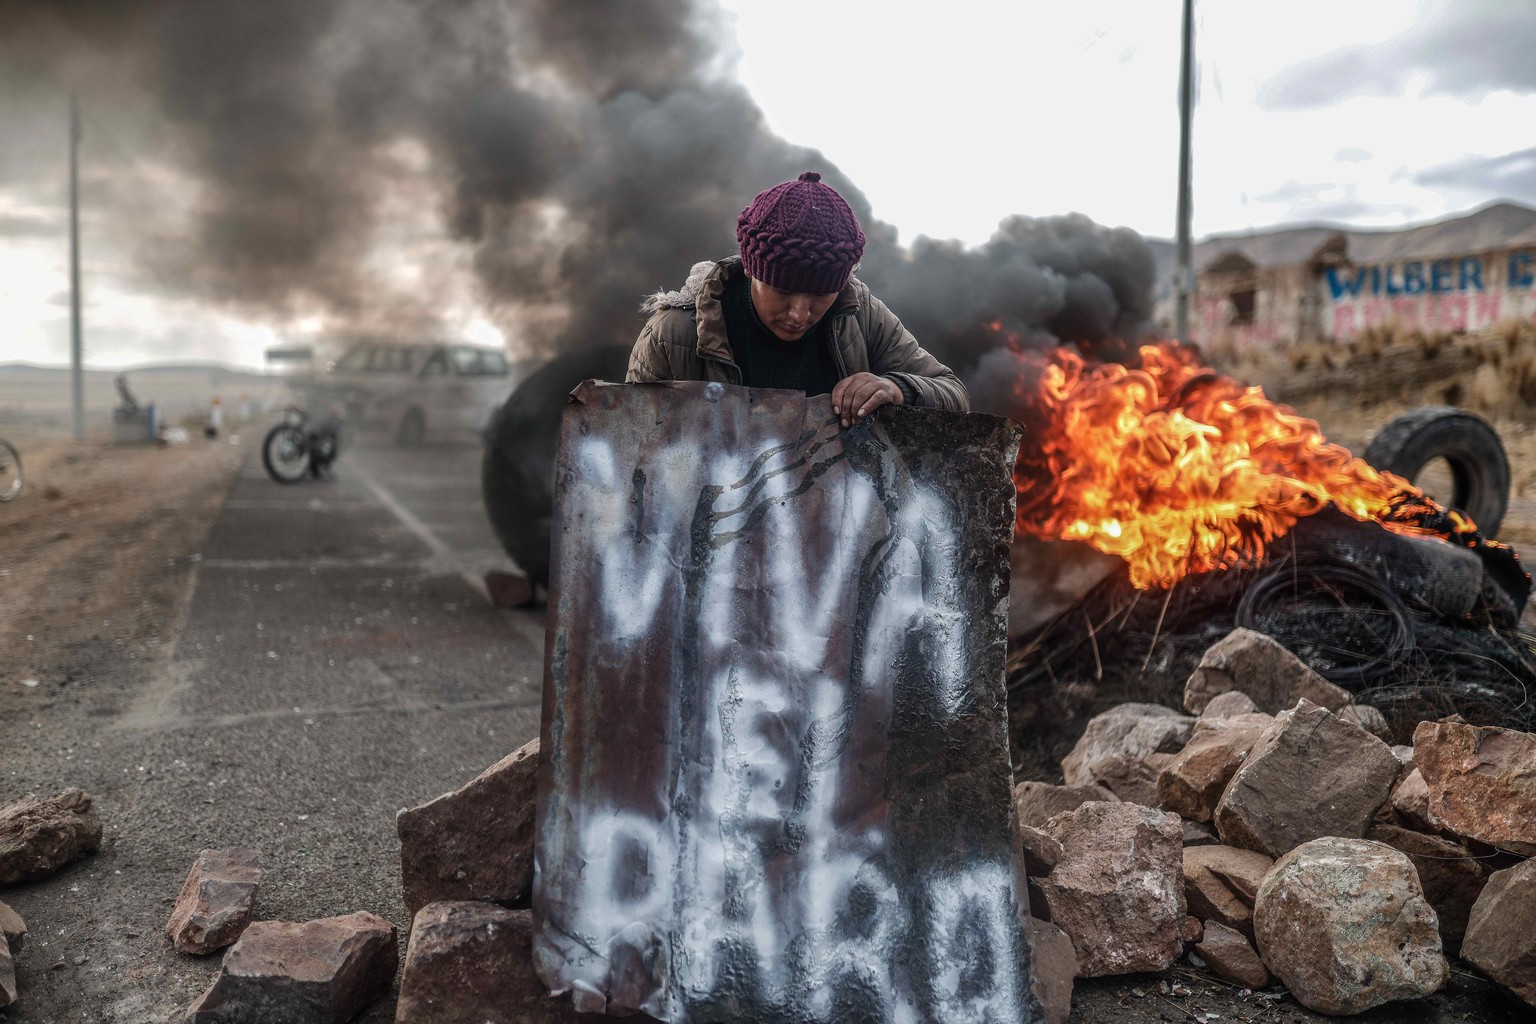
x=413, y=429
x=517, y=472
x=285, y=453
x=1468, y=444
x=520, y=504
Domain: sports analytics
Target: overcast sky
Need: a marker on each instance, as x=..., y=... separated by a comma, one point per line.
x=1365, y=113
x=952, y=116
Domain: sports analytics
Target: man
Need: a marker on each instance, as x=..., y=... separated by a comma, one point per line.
x=788, y=313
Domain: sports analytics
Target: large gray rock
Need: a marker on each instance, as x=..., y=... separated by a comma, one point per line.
x=1256, y=664
x=1344, y=924
x=1052, y=969
x=216, y=901
x=1451, y=877
x=1118, y=888
x=472, y=963
x=1128, y=730
x=1309, y=775
x=12, y=928
x=475, y=843
x=1501, y=932
x=1481, y=782
x=38, y=837
x=1035, y=803
x=1193, y=780
x=317, y=972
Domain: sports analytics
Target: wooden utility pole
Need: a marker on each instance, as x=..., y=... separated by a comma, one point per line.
x=76, y=367
x=1183, y=262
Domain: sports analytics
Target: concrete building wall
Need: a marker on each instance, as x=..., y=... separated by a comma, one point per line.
x=1241, y=305
x=1261, y=306
x=1466, y=293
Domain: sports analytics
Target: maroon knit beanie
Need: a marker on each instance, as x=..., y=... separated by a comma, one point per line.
x=800, y=236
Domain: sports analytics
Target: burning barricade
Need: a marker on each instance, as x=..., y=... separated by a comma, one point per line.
x=772, y=748
x=1313, y=852
x=1229, y=511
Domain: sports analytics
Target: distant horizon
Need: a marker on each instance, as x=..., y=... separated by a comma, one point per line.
x=171, y=364
x=1337, y=225
x=1160, y=246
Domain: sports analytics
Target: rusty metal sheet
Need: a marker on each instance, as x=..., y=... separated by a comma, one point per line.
x=775, y=783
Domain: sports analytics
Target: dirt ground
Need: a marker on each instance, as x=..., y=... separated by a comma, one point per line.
x=96, y=565
x=94, y=560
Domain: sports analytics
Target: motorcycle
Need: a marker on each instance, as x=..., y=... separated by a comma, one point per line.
x=301, y=446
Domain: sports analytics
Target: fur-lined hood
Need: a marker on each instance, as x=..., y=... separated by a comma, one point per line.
x=686, y=297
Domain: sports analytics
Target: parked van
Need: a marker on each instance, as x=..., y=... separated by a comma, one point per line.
x=419, y=392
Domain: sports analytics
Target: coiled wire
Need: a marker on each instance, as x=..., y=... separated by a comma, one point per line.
x=1344, y=621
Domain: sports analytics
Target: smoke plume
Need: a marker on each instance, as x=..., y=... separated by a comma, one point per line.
x=546, y=162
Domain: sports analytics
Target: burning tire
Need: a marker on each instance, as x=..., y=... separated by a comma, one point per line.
x=517, y=472
x=1470, y=447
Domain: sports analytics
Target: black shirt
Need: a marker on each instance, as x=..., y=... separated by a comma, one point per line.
x=766, y=361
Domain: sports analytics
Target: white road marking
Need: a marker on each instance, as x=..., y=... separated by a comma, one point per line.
x=467, y=565
x=531, y=633
x=408, y=519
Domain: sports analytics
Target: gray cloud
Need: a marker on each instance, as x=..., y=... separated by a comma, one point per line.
x=1464, y=49
x=1511, y=175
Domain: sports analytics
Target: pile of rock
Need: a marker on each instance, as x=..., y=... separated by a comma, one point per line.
x=1270, y=835
x=310, y=972
x=37, y=838
x=467, y=873
x=467, y=870
x=1273, y=834
x=466, y=862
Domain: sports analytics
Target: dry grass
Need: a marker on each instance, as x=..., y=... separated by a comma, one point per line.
x=1492, y=372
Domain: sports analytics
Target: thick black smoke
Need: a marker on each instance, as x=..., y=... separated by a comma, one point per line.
x=581, y=153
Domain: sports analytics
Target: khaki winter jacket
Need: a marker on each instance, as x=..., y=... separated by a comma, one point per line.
x=685, y=340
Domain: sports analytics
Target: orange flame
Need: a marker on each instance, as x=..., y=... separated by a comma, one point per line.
x=1180, y=470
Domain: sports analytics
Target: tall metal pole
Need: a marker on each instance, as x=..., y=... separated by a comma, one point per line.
x=77, y=370
x=1184, y=270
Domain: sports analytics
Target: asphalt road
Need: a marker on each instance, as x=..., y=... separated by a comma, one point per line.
x=338, y=661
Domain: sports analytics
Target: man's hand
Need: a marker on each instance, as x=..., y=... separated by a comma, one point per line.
x=861, y=394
